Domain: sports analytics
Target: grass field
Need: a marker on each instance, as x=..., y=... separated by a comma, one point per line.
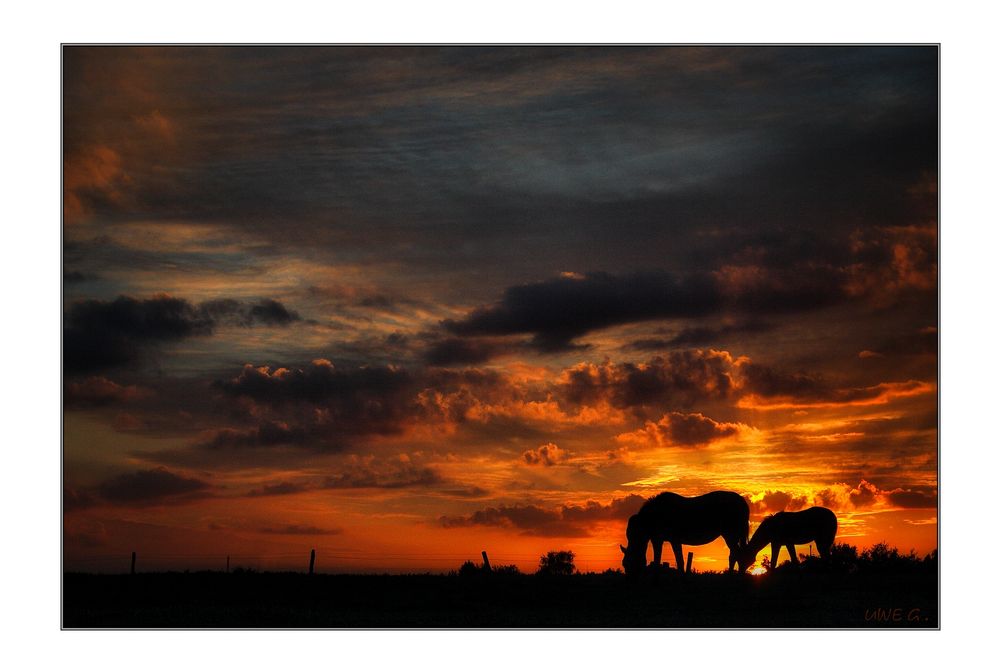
x=785, y=598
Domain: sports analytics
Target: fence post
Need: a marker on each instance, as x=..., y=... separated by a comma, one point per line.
x=132, y=570
x=690, y=558
x=227, y=564
x=312, y=560
x=486, y=563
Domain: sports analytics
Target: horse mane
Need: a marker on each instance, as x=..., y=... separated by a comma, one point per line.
x=658, y=499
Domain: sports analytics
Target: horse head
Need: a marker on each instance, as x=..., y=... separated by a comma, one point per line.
x=747, y=555
x=634, y=560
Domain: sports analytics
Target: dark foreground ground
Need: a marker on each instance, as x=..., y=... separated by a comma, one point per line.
x=672, y=600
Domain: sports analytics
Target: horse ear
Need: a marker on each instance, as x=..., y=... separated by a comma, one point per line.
x=622, y=548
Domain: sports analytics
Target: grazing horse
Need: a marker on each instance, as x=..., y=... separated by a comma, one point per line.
x=671, y=518
x=786, y=529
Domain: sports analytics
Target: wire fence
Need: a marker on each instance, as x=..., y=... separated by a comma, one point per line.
x=327, y=561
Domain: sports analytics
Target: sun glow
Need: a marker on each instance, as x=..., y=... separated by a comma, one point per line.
x=759, y=570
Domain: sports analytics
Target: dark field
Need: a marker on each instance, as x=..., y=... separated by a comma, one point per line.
x=782, y=599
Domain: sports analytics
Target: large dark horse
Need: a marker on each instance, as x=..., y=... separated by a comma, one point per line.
x=786, y=529
x=671, y=518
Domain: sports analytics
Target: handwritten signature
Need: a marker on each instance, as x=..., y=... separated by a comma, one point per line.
x=894, y=615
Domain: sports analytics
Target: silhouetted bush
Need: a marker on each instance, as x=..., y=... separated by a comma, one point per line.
x=844, y=557
x=557, y=562
x=470, y=569
x=883, y=559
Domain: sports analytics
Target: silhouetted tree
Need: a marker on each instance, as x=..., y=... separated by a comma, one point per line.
x=557, y=562
x=506, y=570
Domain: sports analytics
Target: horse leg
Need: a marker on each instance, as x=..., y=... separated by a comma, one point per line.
x=657, y=550
x=792, y=554
x=734, y=545
x=679, y=555
x=775, y=550
x=823, y=547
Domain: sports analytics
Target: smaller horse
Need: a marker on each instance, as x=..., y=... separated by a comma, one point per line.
x=786, y=529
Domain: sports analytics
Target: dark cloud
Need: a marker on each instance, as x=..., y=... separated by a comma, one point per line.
x=77, y=499
x=386, y=475
x=692, y=430
x=279, y=489
x=698, y=336
x=108, y=334
x=453, y=351
x=267, y=312
x=923, y=342
x=360, y=297
x=592, y=511
x=529, y=519
x=148, y=487
x=770, y=381
x=912, y=499
x=300, y=529
x=565, y=521
x=464, y=492
x=99, y=391
x=77, y=277
x=683, y=378
x=334, y=400
x=267, y=434
x=827, y=498
x=317, y=408
x=558, y=310
x=680, y=430
x=864, y=495
x=102, y=334
x=319, y=382
x=679, y=378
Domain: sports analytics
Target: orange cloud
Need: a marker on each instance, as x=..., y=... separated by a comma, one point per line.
x=770, y=502
x=879, y=394
x=94, y=175
x=548, y=454
x=682, y=430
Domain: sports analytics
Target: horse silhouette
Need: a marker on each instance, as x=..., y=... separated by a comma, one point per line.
x=786, y=529
x=671, y=518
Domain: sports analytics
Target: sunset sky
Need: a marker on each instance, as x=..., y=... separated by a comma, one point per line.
x=401, y=305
